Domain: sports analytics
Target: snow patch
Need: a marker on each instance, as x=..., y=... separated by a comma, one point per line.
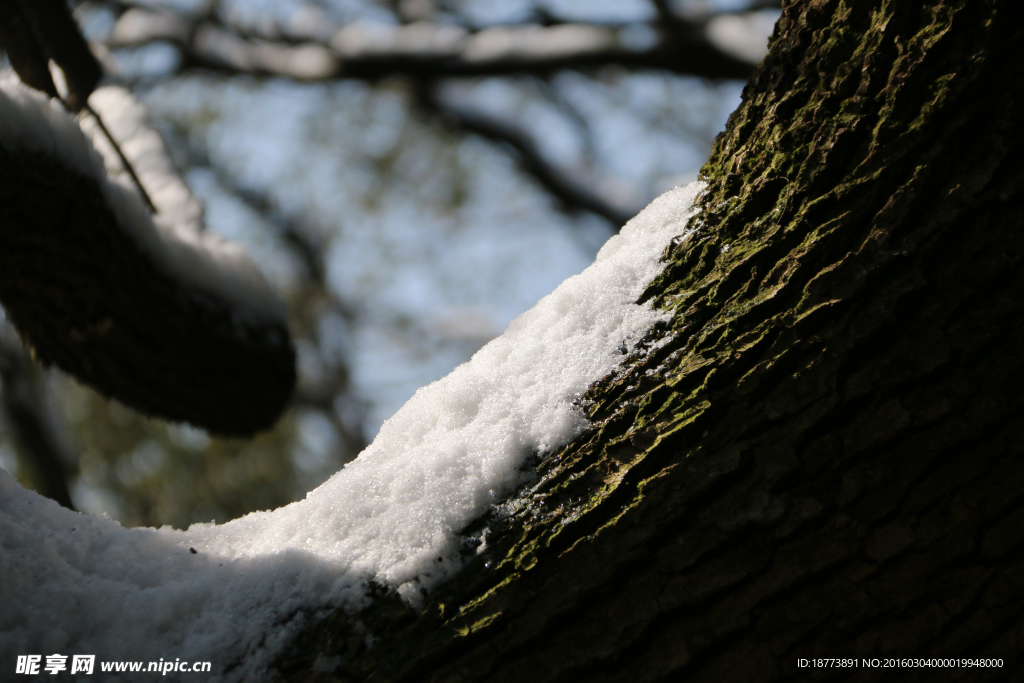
x=75, y=584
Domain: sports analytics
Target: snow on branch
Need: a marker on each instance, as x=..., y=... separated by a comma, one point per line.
x=148, y=309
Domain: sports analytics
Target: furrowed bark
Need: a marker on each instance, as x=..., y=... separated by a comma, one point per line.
x=823, y=457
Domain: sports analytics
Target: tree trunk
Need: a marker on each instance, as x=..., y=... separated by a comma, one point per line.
x=823, y=458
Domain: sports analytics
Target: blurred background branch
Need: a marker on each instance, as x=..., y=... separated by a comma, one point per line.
x=312, y=48
x=320, y=392
x=424, y=50
x=571, y=190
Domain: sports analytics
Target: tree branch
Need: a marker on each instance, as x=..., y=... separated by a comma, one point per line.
x=323, y=395
x=427, y=52
x=163, y=318
x=47, y=457
x=570, y=192
x=310, y=252
x=422, y=50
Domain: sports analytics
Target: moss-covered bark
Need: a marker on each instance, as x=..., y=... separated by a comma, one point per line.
x=824, y=458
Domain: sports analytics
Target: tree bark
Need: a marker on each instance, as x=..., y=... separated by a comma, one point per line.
x=823, y=459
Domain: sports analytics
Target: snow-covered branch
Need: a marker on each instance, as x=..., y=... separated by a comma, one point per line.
x=150, y=310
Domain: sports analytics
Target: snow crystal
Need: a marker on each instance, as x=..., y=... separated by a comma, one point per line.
x=75, y=584
x=173, y=237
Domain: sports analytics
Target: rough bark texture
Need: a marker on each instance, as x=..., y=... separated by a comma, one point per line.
x=824, y=459
x=87, y=299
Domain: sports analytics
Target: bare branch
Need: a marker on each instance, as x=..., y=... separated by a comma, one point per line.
x=424, y=50
x=573, y=194
x=427, y=52
x=764, y=4
x=665, y=14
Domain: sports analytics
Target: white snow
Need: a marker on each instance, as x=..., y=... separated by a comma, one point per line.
x=74, y=584
x=173, y=237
